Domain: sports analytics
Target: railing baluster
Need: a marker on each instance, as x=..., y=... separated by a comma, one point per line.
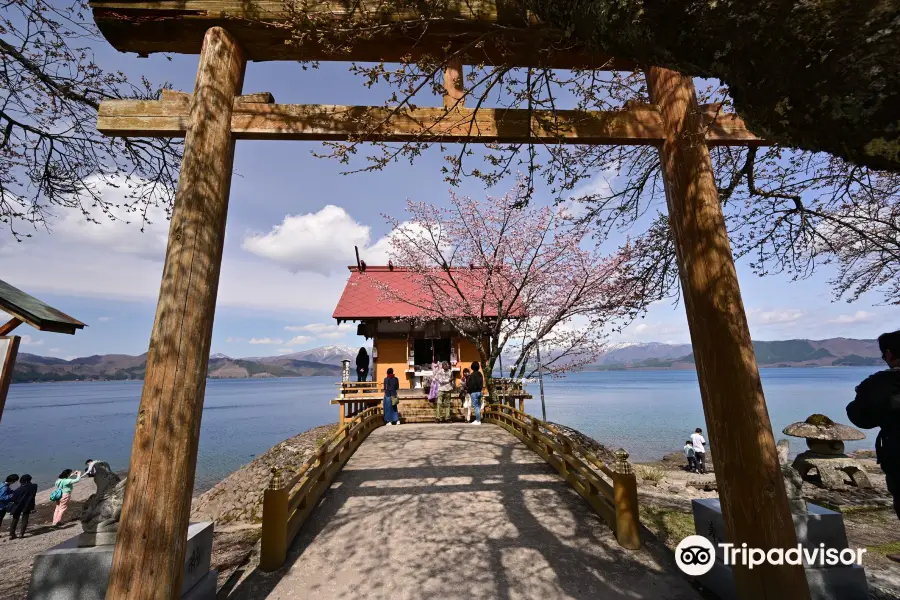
x=274, y=542
x=628, y=525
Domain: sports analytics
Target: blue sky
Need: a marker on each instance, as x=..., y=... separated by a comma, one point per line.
x=279, y=287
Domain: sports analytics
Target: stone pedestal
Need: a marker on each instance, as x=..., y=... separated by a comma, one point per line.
x=831, y=469
x=825, y=583
x=70, y=572
x=817, y=526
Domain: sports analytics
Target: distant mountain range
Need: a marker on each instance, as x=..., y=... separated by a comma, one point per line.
x=834, y=352
x=326, y=360
x=112, y=367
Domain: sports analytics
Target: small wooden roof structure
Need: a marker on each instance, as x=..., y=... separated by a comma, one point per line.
x=396, y=293
x=25, y=308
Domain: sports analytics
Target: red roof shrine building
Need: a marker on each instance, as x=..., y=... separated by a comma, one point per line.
x=386, y=302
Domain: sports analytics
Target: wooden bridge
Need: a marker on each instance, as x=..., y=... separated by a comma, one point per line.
x=456, y=511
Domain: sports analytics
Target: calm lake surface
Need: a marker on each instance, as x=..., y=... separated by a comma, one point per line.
x=47, y=427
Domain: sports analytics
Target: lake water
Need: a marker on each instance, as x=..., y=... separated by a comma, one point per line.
x=48, y=427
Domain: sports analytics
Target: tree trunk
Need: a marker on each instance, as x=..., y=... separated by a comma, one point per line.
x=149, y=554
x=751, y=488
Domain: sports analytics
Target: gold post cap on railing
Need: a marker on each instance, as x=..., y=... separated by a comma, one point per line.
x=275, y=481
x=622, y=464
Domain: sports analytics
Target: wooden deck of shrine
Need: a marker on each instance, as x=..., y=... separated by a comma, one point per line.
x=459, y=511
x=414, y=406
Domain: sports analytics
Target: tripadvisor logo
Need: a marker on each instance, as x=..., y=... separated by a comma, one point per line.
x=696, y=555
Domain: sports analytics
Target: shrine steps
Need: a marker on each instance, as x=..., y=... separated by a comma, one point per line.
x=423, y=411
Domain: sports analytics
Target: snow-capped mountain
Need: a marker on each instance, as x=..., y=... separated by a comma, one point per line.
x=329, y=355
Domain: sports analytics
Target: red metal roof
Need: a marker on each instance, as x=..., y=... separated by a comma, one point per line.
x=365, y=297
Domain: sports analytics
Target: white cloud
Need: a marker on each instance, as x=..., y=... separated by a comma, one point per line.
x=285, y=350
x=104, y=319
x=320, y=242
x=267, y=341
x=27, y=340
x=324, y=331
x=653, y=331
x=599, y=185
x=233, y=340
x=123, y=233
x=54, y=350
x=779, y=316
x=859, y=316
x=300, y=340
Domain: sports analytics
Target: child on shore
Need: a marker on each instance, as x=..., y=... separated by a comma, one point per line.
x=22, y=505
x=689, y=453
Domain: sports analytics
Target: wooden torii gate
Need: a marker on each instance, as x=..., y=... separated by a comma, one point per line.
x=227, y=33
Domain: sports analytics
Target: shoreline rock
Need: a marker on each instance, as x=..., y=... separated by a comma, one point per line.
x=589, y=443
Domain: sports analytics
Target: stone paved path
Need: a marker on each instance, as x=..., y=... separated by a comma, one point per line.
x=459, y=511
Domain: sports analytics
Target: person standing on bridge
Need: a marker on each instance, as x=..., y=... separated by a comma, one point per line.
x=391, y=399
x=362, y=365
x=444, y=380
x=475, y=385
x=464, y=395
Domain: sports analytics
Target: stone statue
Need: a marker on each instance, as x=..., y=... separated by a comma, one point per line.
x=100, y=518
x=793, y=483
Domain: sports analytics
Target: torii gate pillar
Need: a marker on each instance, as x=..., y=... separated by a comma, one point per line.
x=751, y=488
x=149, y=555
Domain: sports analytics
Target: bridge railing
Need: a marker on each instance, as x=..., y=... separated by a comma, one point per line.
x=287, y=504
x=355, y=397
x=615, y=502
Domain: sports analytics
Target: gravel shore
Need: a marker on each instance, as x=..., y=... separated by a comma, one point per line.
x=236, y=535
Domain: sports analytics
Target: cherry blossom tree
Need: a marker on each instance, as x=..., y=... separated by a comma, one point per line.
x=508, y=278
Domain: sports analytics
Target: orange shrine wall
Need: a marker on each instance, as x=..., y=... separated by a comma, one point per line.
x=468, y=353
x=391, y=355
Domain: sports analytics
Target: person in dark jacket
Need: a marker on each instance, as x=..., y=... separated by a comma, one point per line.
x=22, y=505
x=391, y=387
x=474, y=385
x=877, y=404
x=6, y=494
x=362, y=365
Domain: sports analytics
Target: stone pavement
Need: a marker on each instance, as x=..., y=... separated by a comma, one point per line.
x=459, y=511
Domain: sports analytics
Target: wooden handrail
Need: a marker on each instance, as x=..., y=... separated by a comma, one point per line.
x=616, y=504
x=285, y=510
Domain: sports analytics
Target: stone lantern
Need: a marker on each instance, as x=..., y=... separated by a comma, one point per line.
x=825, y=440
